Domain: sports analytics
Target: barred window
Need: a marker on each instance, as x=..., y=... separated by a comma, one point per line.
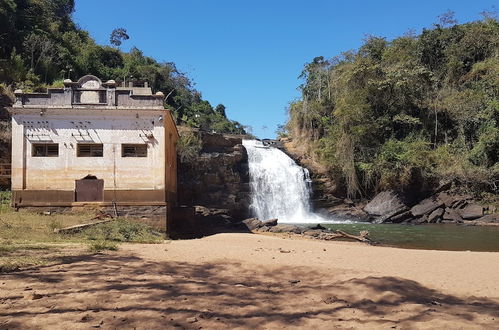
x=134, y=150
x=45, y=150
x=89, y=150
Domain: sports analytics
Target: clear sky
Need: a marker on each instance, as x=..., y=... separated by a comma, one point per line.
x=248, y=54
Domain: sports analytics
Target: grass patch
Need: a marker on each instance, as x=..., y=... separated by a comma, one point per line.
x=122, y=230
x=98, y=246
x=28, y=239
x=5, y=197
x=11, y=247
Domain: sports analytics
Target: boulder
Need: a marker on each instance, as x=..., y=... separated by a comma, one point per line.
x=252, y=223
x=450, y=199
x=312, y=232
x=270, y=223
x=389, y=216
x=452, y=215
x=471, y=212
x=263, y=229
x=285, y=229
x=384, y=203
x=489, y=218
x=318, y=226
x=401, y=217
x=436, y=215
x=426, y=206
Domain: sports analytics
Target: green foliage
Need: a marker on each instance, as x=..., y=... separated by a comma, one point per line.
x=117, y=36
x=406, y=112
x=98, y=246
x=40, y=45
x=188, y=147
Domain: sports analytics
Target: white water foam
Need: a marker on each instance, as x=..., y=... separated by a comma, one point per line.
x=279, y=187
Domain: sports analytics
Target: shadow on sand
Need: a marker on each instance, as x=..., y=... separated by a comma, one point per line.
x=111, y=290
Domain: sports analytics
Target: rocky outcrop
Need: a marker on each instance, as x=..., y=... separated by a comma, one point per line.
x=386, y=202
x=442, y=207
x=217, y=178
x=213, y=188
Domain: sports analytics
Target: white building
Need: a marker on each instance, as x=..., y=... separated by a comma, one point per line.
x=93, y=142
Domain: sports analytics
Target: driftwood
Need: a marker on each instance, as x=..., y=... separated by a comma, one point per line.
x=362, y=237
x=76, y=228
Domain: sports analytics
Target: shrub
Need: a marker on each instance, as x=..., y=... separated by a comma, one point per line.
x=101, y=245
x=188, y=147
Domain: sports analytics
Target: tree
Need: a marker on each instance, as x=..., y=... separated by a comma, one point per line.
x=117, y=36
x=220, y=109
x=448, y=18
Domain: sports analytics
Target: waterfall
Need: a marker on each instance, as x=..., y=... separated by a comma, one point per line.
x=279, y=187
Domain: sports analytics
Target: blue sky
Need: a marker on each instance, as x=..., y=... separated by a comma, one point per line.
x=248, y=54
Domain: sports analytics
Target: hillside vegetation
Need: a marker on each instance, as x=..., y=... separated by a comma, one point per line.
x=40, y=45
x=409, y=113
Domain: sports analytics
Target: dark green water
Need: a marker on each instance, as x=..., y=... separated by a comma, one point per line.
x=428, y=237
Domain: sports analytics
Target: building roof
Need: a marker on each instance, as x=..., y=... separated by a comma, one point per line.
x=90, y=92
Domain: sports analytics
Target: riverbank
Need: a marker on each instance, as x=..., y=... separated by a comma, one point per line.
x=255, y=281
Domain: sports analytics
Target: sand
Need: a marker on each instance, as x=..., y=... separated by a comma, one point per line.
x=256, y=281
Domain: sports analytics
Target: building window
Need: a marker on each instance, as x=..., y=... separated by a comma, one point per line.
x=134, y=150
x=45, y=150
x=90, y=150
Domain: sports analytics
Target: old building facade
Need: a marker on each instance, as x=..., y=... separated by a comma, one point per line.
x=93, y=143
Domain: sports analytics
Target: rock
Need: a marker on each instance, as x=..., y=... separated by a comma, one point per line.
x=218, y=178
x=444, y=186
x=270, y=223
x=420, y=220
x=426, y=206
x=401, y=217
x=263, y=229
x=191, y=319
x=384, y=203
x=252, y=223
x=312, y=232
x=206, y=315
x=452, y=215
x=489, y=218
x=86, y=318
x=318, y=226
x=471, y=211
x=280, y=228
x=450, y=199
x=435, y=215
x=388, y=216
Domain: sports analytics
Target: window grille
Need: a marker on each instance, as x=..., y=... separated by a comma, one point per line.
x=45, y=150
x=90, y=150
x=134, y=150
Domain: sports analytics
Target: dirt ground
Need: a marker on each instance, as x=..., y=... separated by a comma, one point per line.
x=256, y=281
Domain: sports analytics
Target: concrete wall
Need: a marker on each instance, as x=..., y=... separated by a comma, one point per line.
x=110, y=128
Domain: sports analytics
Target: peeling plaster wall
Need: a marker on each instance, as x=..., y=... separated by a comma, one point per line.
x=109, y=128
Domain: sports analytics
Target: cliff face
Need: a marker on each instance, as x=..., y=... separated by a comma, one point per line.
x=213, y=188
x=328, y=196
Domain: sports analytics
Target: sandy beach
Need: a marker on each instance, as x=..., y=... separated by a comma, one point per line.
x=256, y=281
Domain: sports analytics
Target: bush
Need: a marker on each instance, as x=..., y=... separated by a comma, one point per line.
x=100, y=245
x=188, y=147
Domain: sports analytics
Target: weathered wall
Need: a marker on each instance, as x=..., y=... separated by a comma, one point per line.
x=59, y=173
x=51, y=180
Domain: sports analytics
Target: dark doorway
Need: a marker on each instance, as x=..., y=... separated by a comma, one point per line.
x=90, y=189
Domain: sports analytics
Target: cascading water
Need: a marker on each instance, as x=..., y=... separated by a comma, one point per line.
x=279, y=187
